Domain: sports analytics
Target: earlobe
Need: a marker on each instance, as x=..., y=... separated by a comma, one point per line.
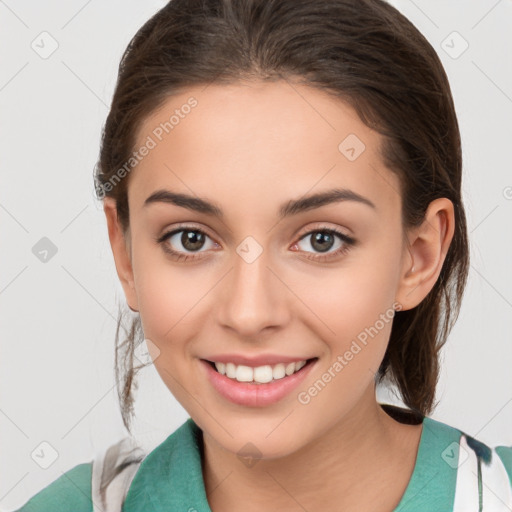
x=121, y=251
x=428, y=246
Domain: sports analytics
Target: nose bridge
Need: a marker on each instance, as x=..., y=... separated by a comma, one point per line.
x=254, y=297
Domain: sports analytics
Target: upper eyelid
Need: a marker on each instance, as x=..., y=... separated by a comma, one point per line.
x=173, y=231
x=337, y=231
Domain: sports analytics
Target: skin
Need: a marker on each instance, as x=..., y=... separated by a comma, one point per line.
x=250, y=147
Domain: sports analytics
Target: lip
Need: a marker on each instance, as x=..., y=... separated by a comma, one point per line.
x=255, y=395
x=255, y=361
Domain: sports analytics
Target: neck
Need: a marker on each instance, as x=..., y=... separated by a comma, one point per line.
x=367, y=457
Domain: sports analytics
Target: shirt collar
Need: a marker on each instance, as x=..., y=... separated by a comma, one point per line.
x=170, y=477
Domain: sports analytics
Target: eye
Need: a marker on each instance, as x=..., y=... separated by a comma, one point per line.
x=323, y=239
x=185, y=243
x=182, y=239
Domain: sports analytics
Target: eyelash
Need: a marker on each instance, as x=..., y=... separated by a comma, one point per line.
x=348, y=242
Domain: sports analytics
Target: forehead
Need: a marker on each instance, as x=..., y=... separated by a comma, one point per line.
x=259, y=142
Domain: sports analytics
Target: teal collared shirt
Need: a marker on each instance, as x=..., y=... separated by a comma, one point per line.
x=170, y=477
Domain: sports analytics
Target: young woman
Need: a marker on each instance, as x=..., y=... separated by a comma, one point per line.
x=281, y=181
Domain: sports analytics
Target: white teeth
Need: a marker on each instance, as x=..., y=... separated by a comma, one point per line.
x=243, y=373
x=299, y=365
x=260, y=374
x=221, y=368
x=278, y=371
x=290, y=368
x=263, y=374
x=230, y=370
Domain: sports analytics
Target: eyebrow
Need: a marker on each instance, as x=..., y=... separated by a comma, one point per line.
x=292, y=207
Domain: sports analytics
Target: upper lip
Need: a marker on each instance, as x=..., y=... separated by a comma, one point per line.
x=255, y=361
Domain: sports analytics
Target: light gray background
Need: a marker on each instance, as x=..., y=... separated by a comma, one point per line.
x=58, y=318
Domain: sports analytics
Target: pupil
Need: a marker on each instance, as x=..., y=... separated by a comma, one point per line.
x=192, y=240
x=320, y=239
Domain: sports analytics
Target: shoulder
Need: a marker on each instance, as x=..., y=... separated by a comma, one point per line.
x=457, y=472
x=498, y=457
x=469, y=446
x=70, y=492
x=488, y=469
x=98, y=485
x=483, y=474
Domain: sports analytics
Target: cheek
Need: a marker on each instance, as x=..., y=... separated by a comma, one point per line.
x=353, y=296
x=166, y=297
x=351, y=310
x=169, y=301
x=357, y=313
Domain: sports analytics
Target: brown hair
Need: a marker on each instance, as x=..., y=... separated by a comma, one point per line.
x=363, y=52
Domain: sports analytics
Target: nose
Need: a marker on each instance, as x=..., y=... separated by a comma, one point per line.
x=254, y=299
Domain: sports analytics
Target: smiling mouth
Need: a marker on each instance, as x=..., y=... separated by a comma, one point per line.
x=259, y=375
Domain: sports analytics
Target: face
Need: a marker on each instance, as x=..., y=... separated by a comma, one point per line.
x=234, y=262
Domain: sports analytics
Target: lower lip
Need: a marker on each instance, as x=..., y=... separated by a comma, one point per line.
x=255, y=395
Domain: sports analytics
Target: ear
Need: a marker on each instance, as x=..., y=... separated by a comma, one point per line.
x=121, y=250
x=428, y=245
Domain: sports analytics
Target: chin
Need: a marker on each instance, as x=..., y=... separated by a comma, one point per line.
x=258, y=442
